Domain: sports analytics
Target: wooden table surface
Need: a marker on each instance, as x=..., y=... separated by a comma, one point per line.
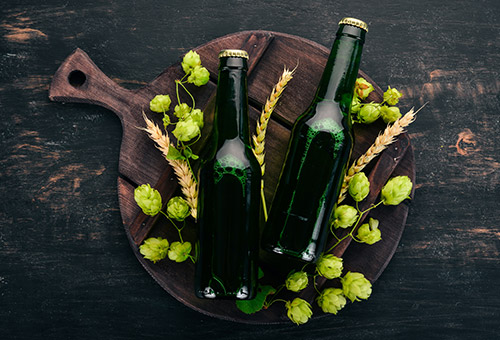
x=66, y=268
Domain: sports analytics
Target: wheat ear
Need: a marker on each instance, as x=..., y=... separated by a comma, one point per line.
x=381, y=143
x=188, y=185
x=258, y=138
x=162, y=141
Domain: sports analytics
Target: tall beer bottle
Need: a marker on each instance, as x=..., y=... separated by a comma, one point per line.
x=318, y=152
x=229, y=200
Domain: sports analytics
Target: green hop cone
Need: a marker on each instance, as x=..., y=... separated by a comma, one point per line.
x=369, y=113
x=298, y=310
x=190, y=61
x=177, y=208
x=391, y=96
x=197, y=117
x=396, y=190
x=179, y=252
x=160, y=103
x=359, y=187
x=182, y=110
x=154, y=249
x=362, y=88
x=344, y=216
x=199, y=76
x=297, y=281
x=390, y=113
x=356, y=286
x=331, y=300
x=369, y=232
x=355, y=104
x=329, y=266
x=148, y=199
x=186, y=130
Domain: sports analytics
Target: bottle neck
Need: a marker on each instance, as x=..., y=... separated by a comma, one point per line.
x=339, y=77
x=231, y=112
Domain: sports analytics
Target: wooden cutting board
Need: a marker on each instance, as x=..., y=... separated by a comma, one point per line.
x=78, y=79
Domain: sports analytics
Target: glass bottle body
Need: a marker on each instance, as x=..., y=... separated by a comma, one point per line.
x=229, y=196
x=318, y=153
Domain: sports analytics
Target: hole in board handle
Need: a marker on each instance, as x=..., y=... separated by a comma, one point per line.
x=77, y=78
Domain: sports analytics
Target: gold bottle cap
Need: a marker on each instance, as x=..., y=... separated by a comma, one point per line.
x=233, y=53
x=354, y=22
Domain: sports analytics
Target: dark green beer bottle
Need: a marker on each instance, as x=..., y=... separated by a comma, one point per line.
x=318, y=152
x=229, y=200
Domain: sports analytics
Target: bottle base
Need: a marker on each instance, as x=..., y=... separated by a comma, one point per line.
x=209, y=293
x=307, y=255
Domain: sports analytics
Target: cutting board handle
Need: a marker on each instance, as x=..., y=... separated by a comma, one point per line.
x=79, y=80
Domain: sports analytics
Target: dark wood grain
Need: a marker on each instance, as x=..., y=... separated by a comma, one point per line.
x=66, y=267
x=178, y=280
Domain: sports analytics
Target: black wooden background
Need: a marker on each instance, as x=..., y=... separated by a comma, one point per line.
x=66, y=268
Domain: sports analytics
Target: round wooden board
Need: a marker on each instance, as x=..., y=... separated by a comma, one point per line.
x=141, y=162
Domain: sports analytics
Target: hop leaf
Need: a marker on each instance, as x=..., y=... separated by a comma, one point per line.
x=199, y=76
x=391, y=96
x=190, y=61
x=331, y=300
x=329, y=266
x=297, y=281
x=356, y=286
x=396, y=190
x=177, y=208
x=298, y=310
x=390, y=113
x=369, y=232
x=182, y=110
x=359, y=186
x=179, y=252
x=344, y=216
x=197, y=117
x=148, y=199
x=160, y=103
x=256, y=304
x=369, y=113
x=186, y=130
x=363, y=88
x=154, y=249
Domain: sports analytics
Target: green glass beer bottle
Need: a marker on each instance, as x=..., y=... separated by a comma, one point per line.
x=229, y=200
x=318, y=152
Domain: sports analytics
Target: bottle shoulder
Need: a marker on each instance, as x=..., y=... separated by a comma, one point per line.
x=235, y=153
x=326, y=116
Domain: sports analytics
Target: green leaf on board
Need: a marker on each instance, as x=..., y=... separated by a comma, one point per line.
x=256, y=304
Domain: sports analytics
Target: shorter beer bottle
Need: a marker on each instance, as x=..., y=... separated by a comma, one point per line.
x=318, y=152
x=229, y=200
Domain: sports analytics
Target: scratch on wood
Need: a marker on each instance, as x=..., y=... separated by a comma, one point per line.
x=125, y=81
x=466, y=143
x=69, y=176
x=20, y=31
x=440, y=85
x=33, y=83
x=486, y=231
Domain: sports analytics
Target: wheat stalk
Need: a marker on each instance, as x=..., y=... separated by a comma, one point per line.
x=181, y=169
x=258, y=138
x=381, y=143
